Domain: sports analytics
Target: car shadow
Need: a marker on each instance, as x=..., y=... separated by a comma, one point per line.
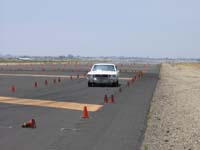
x=104, y=85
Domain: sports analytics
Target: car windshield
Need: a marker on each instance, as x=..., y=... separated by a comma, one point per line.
x=103, y=68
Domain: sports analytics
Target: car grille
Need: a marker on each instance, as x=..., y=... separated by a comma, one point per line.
x=101, y=76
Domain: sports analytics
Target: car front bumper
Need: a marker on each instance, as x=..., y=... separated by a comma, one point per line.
x=102, y=80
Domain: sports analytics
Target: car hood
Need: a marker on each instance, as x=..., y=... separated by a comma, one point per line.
x=102, y=72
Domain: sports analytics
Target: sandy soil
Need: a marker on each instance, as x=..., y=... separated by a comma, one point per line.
x=174, y=118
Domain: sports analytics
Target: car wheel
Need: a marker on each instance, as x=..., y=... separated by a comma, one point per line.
x=89, y=84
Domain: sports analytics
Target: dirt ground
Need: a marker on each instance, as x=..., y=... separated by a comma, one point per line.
x=174, y=118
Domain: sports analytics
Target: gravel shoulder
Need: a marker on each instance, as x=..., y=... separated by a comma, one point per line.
x=174, y=117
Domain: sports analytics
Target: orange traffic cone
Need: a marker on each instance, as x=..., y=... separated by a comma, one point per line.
x=133, y=79
x=141, y=73
x=46, y=82
x=35, y=84
x=13, y=88
x=71, y=77
x=30, y=124
x=120, y=90
x=54, y=81
x=85, y=112
x=138, y=74
x=105, y=99
x=111, y=99
x=127, y=84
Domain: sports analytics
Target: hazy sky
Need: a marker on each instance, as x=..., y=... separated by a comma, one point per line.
x=153, y=28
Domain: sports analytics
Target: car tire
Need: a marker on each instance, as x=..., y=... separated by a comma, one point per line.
x=89, y=84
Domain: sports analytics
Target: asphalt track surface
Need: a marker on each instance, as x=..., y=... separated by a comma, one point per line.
x=120, y=125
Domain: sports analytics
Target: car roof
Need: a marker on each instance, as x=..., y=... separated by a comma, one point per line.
x=104, y=64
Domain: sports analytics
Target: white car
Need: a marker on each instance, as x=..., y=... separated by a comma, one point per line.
x=103, y=73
